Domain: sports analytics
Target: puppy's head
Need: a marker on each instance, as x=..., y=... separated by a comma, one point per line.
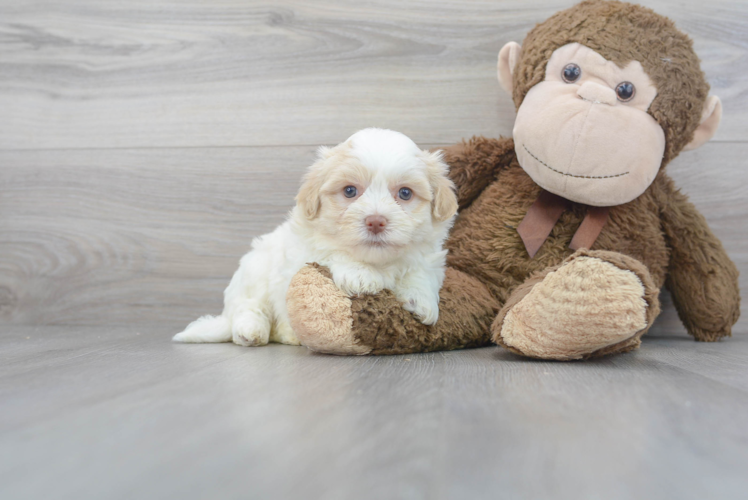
x=376, y=194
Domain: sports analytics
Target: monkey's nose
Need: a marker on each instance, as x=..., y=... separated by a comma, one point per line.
x=596, y=93
x=375, y=223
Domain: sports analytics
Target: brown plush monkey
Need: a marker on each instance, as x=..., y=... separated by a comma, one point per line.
x=568, y=231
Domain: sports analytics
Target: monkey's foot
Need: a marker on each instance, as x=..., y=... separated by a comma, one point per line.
x=594, y=303
x=321, y=314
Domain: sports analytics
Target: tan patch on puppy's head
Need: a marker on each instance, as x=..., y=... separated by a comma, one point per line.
x=309, y=196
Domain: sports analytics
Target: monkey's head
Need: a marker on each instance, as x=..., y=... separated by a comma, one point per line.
x=606, y=93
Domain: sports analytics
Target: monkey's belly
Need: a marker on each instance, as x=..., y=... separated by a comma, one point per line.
x=484, y=241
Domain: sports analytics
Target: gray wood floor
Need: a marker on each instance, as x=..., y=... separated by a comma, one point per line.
x=119, y=412
x=144, y=143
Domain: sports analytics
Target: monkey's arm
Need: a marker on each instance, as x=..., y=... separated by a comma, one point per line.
x=701, y=277
x=474, y=163
x=326, y=320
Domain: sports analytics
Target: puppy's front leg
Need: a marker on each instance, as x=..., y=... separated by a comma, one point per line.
x=356, y=278
x=419, y=292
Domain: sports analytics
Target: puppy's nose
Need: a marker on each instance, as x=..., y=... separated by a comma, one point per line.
x=375, y=223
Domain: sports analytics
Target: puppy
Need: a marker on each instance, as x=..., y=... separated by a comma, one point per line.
x=375, y=210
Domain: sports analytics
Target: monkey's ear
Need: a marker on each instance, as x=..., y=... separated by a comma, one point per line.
x=508, y=57
x=710, y=118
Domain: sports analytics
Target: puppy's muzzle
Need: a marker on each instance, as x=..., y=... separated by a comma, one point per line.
x=375, y=224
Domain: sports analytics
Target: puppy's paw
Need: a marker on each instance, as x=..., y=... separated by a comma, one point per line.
x=250, y=329
x=425, y=308
x=284, y=334
x=356, y=280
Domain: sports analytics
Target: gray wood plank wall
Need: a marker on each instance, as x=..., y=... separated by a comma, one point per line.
x=143, y=144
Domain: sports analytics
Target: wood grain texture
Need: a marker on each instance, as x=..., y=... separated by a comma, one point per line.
x=91, y=74
x=119, y=237
x=114, y=237
x=92, y=412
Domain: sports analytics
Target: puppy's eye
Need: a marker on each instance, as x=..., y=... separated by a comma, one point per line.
x=571, y=73
x=405, y=194
x=350, y=191
x=625, y=91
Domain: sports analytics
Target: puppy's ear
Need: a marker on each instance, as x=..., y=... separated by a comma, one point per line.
x=444, y=203
x=308, y=197
x=323, y=152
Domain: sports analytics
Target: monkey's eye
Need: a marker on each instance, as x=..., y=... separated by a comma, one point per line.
x=571, y=73
x=350, y=191
x=405, y=194
x=625, y=91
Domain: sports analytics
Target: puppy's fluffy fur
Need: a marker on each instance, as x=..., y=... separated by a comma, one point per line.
x=349, y=185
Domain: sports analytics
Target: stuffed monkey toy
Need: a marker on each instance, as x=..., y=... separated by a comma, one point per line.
x=568, y=230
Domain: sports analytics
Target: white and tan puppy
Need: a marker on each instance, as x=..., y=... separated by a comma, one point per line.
x=375, y=210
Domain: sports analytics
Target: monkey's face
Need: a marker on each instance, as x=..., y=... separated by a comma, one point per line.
x=584, y=133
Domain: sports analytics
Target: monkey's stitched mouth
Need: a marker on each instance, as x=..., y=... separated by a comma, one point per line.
x=572, y=175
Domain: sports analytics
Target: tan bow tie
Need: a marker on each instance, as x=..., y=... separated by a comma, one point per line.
x=545, y=212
